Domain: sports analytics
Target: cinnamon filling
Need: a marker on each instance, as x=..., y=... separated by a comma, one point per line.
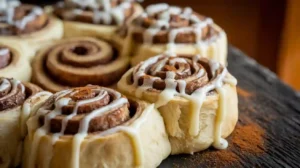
x=162, y=24
x=162, y=37
x=11, y=93
x=81, y=54
x=194, y=73
x=5, y=57
x=22, y=19
x=82, y=102
x=115, y=12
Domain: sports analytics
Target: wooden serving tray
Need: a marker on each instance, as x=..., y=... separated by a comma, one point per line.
x=268, y=130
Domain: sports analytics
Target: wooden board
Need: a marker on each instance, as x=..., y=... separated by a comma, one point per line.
x=268, y=130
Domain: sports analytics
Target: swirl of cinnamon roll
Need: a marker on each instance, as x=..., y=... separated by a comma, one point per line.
x=170, y=24
x=78, y=62
x=184, y=87
x=175, y=29
x=96, y=118
x=20, y=19
x=95, y=18
x=80, y=102
x=27, y=26
x=13, y=96
x=13, y=63
x=109, y=12
x=12, y=93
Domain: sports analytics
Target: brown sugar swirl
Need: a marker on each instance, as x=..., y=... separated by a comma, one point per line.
x=90, y=109
x=13, y=93
x=184, y=73
x=108, y=12
x=19, y=19
x=78, y=62
x=162, y=24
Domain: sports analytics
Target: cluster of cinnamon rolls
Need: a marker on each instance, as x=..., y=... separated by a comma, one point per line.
x=124, y=86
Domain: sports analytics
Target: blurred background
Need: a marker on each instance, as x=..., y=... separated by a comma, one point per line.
x=266, y=30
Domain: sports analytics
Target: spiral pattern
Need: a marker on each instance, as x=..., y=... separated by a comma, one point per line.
x=105, y=108
x=107, y=12
x=188, y=72
x=12, y=93
x=18, y=19
x=161, y=24
x=78, y=62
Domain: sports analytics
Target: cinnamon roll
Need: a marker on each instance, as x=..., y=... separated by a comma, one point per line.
x=27, y=26
x=95, y=18
x=77, y=62
x=94, y=126
x=197, y=98
x=13, y=63
x=174, y=29
x=17, y=101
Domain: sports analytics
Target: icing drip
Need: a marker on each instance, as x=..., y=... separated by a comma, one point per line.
x=197, y=97
x=26, y=109
x=62, y=101
x=132, y=132
x=4, y=51
x=159, y=21
x=102, y=10
x=8, y=10
x=16, y=83
x=4, y=85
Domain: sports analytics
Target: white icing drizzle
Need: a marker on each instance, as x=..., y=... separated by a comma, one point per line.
x=197, y=97
x=26, y=109
x=62, y=101
x=4, y=51
x=8, y=9
x=4, y=85
x=15, y=84
x=164, y=12
x=107, y=15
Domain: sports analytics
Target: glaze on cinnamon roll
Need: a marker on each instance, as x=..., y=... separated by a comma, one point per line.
x=196, y=96
x=78, y=62
x=13, y=63
x=17, y=101
x=95, y=18
x=27, y=26
x=94, y=125
x=175, y=30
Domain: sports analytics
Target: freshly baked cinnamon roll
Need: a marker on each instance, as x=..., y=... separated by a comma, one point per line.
x=94, y=126
x=78, y=62
x=95, y=18
x=197, y=98
x=175, y=30
x=17, y=101
x=27, y=26
x=13, y=63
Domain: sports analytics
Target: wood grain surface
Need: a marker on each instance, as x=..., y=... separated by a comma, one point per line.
x=268, y=130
